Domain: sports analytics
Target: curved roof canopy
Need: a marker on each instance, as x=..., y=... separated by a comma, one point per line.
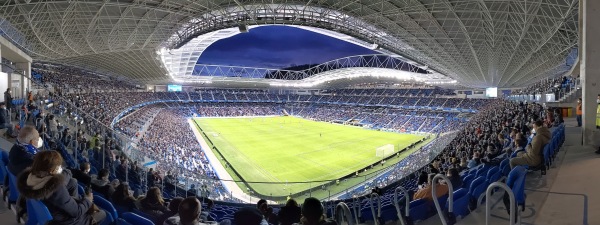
x=479, y=43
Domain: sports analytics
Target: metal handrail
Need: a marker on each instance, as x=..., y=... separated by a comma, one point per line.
x=344, y=213
x=355, y=203
x=375, y=216
x=406, y=206
x=488, y=203
x=450, y=197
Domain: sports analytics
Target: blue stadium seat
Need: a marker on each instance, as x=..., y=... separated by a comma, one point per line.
x=483, y=170
x=467, y=181
x=80, y=190
x=419, y=210
x=461, y=203
x=38, y=213
x=493, y=175
x=516, y=181
x=143, y=214
x=106, y=205
x=3, y=171
x=133, y=218
x=504, y=163
x=478, y=187
x=121, y=221
x=13, y=193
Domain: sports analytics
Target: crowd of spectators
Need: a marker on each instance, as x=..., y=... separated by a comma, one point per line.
x=132, y=123
x=72, y=79
x=550, y=85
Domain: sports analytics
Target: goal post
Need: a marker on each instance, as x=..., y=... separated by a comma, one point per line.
x=384, y=151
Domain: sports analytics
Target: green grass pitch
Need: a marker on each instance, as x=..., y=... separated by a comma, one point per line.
x=286, y=150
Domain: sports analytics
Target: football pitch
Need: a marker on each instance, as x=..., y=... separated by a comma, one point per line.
x=296, y=154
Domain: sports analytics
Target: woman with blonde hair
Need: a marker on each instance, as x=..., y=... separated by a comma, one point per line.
x=43, y=181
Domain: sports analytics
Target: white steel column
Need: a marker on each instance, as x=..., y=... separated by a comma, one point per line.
x=590, y=68
x=25, y=81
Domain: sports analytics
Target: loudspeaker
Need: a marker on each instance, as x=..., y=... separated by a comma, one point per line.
x=243, y=28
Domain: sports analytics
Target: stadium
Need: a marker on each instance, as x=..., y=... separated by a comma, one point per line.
x=299, y=112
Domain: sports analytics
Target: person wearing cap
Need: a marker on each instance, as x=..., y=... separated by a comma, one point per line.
x=312, y=213
x=5, y=121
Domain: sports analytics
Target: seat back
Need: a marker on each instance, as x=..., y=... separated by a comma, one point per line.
x=4, y=156
x=13, y=194
x=516, y=181
x=493, y=175
x=474, y=185
x=483, y=170
x=505, y=169
x=106, y=205
x=419, y=210
x=467, y=181
x=3, y=172
x=80, y=190
x=504, y=163
x=121, y=221
x=461, y=202
x=133, y=218
x=38, y=212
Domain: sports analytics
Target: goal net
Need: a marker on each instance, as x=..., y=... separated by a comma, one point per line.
x=384, y=151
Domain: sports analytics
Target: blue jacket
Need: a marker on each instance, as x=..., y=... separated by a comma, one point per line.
x=19, y=159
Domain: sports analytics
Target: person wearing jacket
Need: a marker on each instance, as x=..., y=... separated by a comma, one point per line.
x=43, y=181
x=533, y=154
x=8, y=99
x=290, y=213
x=21, y=154
x=5, y=121
x=153, y=204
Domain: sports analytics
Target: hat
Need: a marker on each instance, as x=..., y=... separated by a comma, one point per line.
x=248, y=216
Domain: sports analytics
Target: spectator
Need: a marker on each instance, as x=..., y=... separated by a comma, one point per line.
x=475, y=161
x=22, y=152
x=5, y=121
x=44, y=182
x=173, y=210
x=533, y=155
x=425, y=193
x=83, y=174
x=8, y=99
x=249, y=216
x=150, y=177
x=122, y=197
x=290, y=213
x=312, y=213
x=101, y=184
x=455, y=179
x=267, y=211
x=153, y=204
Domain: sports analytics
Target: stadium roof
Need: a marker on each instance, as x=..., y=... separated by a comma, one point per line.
x=480, y=43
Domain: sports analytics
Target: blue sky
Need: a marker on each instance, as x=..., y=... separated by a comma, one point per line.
x=278, y=47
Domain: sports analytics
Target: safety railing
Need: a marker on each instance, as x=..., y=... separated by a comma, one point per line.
x=376, y=215
x=488, y=204
x=446, y=218
x=401, y=217
x=356, y=207
x=342, y=213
